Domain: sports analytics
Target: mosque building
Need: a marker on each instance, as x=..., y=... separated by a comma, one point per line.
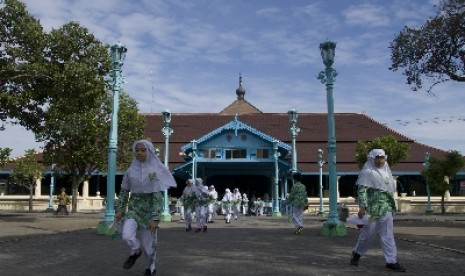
x=243, y=147
x=236, y=148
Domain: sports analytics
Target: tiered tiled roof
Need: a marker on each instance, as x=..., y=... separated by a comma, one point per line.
x=240, y=107
x=350, y=128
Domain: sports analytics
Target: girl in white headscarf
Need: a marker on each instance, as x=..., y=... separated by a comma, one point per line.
x=188, y=199
x=211, y=208
x=141, y=203
x=201, y=202
x=376, y=173
x=237, y=198
x=245, y=204
x=375, y=188
x=227, y=202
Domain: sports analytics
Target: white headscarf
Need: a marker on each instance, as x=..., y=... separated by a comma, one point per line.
x=228, y=196
x=199, y=181
x=373, y=177
x=237, y=194
x=148, y=176
x=201, y=190
x=212, y=192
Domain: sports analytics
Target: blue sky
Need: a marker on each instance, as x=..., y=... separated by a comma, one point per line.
x=186, y=56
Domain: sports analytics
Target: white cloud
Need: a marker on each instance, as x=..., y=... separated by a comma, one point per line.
x=186, y=56
x=367, y=15
x=268, y=12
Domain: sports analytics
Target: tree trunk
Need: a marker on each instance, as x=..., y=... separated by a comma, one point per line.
x=76, y=180
x=31, y=193
x=74, y=193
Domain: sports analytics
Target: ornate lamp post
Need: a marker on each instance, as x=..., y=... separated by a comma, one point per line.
x=333, y=226
x=294, y=130
x=167, y=131
x=428, y=204
x=320, y=164
x=52, y=188
x=276, y=212
x=194, y=154
x=52, y=181
x=117, y=54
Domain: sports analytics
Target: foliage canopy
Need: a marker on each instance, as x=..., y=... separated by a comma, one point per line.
x=56, y=84
x=396, y=151
x=434, y=51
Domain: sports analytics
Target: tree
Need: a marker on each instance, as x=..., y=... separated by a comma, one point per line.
x=434, y=51
x=439, y=171
x=78, y=143
x=38, y=69
x=78, y=64
x=4, y=156
x=24, y=76
x=26, y=172
x=396, y=151
x=72, y=102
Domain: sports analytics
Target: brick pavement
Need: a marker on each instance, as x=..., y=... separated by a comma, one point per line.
x=249, y=246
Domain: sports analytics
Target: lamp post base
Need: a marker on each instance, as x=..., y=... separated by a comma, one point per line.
x=429, y=211
x=320, y=213
x=276, y=214
x=166, y=217
x=332, y=230
x=103, y=227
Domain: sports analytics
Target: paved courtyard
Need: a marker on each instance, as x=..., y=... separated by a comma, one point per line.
x=44, y=244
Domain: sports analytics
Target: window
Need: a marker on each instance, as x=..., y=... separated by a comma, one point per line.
x=212, y=153
x=236, y=153
x=263, y=153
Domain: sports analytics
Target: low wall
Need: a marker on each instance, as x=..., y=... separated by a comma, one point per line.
x=419, y=204
x=410, y=204
x=21, y=203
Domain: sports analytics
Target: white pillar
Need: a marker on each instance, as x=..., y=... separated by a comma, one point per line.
x=38, y=188
x=395, y=195
x=447, y=193
x=85, y=189
x=337, y=185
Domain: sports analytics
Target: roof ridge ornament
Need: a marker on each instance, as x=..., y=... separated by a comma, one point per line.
x=240, y=91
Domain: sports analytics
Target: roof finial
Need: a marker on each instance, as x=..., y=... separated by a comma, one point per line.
x=240, y=91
